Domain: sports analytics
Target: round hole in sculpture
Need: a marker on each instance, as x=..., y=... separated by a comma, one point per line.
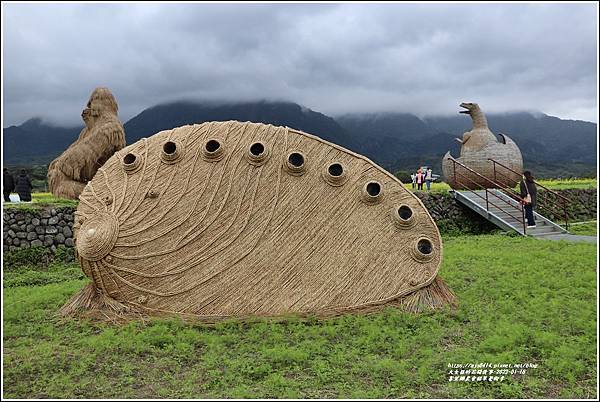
x=373, y=189
x=335, y=169
x=129, y=159
x=213, y=146
x=405, y=212
x=296, y=159
x=424, y=246
x=171, y=152
x=257, y=149
x=169, y=148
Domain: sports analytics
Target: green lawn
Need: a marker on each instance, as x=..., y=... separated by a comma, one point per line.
x=438, y=187
x=553, y=184
x=584, y=228
x=563, y=184
x=43, y=200
x=521, y=301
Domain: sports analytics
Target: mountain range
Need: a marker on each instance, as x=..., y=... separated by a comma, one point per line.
x=551, y=147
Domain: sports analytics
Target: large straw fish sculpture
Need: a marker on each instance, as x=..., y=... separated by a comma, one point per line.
x=229, y=219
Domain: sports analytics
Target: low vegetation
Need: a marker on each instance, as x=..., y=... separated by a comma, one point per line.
x=521, y=301
x=40, y=200
x=440, y=187
x=584, y=228
x=564, y=184
x=552, y=184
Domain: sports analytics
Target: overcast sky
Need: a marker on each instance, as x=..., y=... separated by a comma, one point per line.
x=333, y=58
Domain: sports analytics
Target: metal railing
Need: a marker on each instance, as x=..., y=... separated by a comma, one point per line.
x=556, y=206
x=520, y=219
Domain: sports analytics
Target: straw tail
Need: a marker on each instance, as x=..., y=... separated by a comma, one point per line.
x=434, y=296
x=90, y=302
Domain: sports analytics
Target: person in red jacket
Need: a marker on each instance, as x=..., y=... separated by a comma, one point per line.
x=420, y=179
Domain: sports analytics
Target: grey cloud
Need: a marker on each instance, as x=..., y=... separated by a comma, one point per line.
x=334, y=58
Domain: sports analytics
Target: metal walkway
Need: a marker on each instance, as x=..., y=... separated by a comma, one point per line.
x=510, y=216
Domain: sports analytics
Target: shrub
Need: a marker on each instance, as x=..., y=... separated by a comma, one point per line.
x=403, y=176
x=39, y=256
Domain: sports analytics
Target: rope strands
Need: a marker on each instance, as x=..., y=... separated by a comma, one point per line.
x=238, y=220
x=102, y=136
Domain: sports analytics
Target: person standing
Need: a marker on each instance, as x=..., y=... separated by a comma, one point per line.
x=528, y=192
x=413, y=178
x=419, y=179
x=9, y=184
x=428, y=179
x=23, y=186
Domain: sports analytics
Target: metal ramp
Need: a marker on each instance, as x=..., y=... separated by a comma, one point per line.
x=505, y=212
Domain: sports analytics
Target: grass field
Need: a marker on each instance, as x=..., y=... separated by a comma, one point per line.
x=553, y=184
x=563, y=184
x=584, y=228
x=43, y=200
x=521, y=301
x=438, y=187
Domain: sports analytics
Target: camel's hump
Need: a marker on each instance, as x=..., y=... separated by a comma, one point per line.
x=230, y=218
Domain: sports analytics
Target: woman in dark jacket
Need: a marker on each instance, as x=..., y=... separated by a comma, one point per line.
x=9, y=184
x=527, y=186
x=23, y=186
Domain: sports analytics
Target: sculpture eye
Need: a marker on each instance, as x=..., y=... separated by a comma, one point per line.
x=171, y=152
x=212, y=150
x=372, y=192
x=335, y=174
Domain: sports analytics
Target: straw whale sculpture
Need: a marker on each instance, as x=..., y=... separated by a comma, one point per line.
x=228, y=219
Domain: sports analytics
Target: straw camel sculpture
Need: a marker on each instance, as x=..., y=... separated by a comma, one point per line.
x=477, y=146
x=230, y=219
x=102, y=136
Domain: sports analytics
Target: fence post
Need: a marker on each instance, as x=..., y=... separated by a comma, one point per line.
x=487, y=203
x=454, y=167
x=523, y=214
x=566, y=215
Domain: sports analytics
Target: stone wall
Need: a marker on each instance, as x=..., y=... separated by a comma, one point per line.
x=51, y=227
x=583, y=205
x=452, y=216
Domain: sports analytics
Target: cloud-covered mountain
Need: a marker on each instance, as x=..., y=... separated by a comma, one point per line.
x=166, y=116
x=36, y=142
x=550, y=146
x=403, y=141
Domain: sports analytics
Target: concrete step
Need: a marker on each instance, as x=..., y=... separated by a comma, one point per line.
x=540, y=223
x=515, y=212
x=506, y=212
x=569, y=237
x=542, y=230
x=513, y=217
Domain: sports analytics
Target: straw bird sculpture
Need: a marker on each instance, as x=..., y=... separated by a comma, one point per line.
x=230, y=219
x=101, y=137
x=477, y=147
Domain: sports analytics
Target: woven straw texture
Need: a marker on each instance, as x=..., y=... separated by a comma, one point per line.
x=101, y=137
x=478, y=145
x=230, y=219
